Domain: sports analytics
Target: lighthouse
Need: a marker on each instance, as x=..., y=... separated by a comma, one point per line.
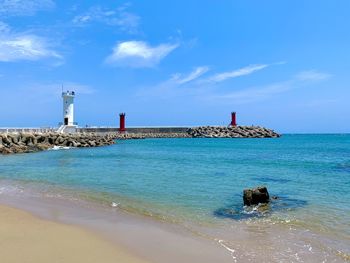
x=233, y=119
x=68, y=108
x=68, y=125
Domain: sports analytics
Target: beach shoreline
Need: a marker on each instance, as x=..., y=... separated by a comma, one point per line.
x=139, y=238
x=142, y=237
x=28, y=238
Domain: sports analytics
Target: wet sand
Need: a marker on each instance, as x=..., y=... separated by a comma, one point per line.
x=144, y=238
x=26, y=238
x=79, y=231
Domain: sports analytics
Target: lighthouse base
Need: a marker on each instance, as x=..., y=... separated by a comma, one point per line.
x=67, y=129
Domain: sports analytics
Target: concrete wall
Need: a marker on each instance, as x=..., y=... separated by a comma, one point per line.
x=137, y=130
x=103, y=130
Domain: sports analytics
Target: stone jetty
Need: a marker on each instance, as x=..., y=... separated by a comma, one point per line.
x=232, y=132
x=34, y=142
x=22, y=142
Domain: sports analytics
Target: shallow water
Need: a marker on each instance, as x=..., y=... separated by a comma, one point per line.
x=198, y=183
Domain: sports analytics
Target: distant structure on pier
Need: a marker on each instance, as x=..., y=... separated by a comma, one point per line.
x=122, y=122
x=68, y=124
x=233, y=119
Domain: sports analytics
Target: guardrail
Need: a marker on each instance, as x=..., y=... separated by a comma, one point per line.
x=27, y=129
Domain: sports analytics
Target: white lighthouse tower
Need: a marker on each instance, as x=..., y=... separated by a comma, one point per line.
x=68, y=107
x=68, y=112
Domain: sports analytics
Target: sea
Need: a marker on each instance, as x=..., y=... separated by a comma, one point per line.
x=197, y=184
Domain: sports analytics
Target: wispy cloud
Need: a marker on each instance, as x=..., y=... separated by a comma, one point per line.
x=202, y=86
x=302, y=79
x=24, y=7
x=119, y=17
x=236, y=73
x=195, y=74
x=254, y=94
x=139, y=54
x=313, y=75
x=23, y=46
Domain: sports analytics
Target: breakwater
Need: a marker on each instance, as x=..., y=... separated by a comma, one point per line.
x=22, y=142
x=33, y=142
x=185, y=132
x=232, y=132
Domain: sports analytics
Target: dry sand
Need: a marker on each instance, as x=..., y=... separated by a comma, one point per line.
x=26, y=238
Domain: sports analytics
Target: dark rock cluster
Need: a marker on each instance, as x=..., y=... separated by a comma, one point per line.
x=33, y=142
x=232, y=132
x=256, y=196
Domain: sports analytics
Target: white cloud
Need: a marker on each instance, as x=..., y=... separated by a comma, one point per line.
x=139, y=54
x=24, y=7
x=22, y=46
x=312, y=75
x=196, y=73
x=119, y=17
x=237, y=73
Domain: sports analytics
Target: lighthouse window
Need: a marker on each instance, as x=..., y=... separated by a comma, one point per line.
x=66, y=112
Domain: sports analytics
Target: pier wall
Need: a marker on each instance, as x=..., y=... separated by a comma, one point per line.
x=136, y=130
x=100, y=130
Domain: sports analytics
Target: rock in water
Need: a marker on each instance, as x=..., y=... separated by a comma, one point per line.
x=256, y=196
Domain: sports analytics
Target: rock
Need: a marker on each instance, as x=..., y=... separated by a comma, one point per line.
x=19, y=149
x=5, y=150
x=92, y=143
x=33, y=142
x=255, y=196
x=43, y=146
x=6, y=140
x=231, y=132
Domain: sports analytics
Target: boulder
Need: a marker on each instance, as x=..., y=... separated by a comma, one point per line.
x=43, y=146
x=5, y=150
x=92, y=143
x=6, y=140
x=255, y=196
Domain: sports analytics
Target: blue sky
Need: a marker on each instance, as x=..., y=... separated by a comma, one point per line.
x=281, y=64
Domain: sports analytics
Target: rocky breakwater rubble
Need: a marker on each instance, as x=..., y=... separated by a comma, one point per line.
x=232, y=132
x=34, y=142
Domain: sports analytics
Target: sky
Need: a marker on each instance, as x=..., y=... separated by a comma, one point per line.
x=280, y=64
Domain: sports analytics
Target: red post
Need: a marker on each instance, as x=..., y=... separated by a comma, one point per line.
x=122, y=122
x=233, y=119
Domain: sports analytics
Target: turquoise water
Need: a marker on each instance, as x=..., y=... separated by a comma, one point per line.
x=201, y=180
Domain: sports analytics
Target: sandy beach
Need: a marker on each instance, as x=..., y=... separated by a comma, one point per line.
x=26, y=238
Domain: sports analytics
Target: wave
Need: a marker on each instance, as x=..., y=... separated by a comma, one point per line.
x=56, y=148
